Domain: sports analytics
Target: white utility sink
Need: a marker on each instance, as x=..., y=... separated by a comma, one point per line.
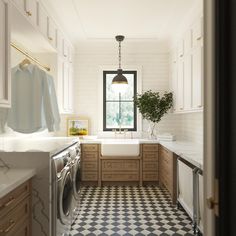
x=120, y=147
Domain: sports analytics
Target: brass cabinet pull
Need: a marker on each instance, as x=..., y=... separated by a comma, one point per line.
x=50, y=38
x=29, y=13
x=12, y=224
x=10, y=201
x=199, y=38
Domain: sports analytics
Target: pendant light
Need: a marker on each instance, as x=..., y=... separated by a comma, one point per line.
x=120, y=79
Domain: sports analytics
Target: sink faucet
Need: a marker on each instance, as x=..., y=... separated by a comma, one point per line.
x=119, y=131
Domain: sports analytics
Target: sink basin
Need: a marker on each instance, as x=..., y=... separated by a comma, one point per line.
x=120, y=147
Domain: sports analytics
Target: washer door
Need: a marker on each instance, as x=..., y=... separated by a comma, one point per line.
x=76, y=179
x=65, y=197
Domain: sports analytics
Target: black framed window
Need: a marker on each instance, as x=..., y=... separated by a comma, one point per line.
x=118, y=108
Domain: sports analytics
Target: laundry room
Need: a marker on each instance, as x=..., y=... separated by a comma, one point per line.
x=102, y=118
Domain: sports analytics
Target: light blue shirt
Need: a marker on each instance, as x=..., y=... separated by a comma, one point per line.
x=34, y=103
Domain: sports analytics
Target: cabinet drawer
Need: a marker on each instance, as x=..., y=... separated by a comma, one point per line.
x=150, y=147
x=120, y=176
x=152, y=166
x=90, y=176
x=23, y=230
x=120, y=165
x=90, y=156
x=90, y=147
x=150, y=176
x=9, y=201
x=89, y=166
x=150, y=156
x=10, y=224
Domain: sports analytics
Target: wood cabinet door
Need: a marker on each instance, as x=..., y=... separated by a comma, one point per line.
x=5, y=76
x=197, y=86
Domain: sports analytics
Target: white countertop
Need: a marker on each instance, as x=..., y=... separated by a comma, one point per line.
x=51, y=145
x=12, y=178
x=189, y=151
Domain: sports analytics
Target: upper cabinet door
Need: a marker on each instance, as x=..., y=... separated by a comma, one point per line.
x=31, y=10
x=65, y=48
x=180, y=86
x=197, y=32
x=188, y=42
x=52, y=32
x=188, y=82
x=42, y=20
x=181, y=48
x=28, y=8
x=197, y=86
x=5, y=75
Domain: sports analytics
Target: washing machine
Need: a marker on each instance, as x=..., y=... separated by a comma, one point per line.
x=76, y=180
x=62, y=194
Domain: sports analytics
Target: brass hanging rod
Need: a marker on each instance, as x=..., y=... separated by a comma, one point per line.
x=29, y=56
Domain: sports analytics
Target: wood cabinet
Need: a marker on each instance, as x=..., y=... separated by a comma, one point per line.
x=89, y=160
x=167, y=171
x=5, y=75
x=150, y=162
x=15, y=212
x=120, y=170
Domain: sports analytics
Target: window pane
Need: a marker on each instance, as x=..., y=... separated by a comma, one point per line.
x=111, y=94
x=112, y=115
x=127, y=114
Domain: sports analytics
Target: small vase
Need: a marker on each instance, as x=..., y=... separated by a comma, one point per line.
x=152, y=130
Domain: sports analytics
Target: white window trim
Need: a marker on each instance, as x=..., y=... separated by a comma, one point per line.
x=102, y=133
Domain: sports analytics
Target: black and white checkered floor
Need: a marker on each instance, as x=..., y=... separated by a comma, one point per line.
x=129, y=211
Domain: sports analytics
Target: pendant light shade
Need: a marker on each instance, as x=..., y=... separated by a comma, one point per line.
x=119, y=78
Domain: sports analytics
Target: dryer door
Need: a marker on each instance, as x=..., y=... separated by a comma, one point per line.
x=76, y=179
x=65, y=197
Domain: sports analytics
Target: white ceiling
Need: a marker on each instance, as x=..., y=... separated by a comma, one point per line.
x=136, y=19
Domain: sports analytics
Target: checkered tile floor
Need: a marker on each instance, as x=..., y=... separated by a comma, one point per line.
x=129, y=211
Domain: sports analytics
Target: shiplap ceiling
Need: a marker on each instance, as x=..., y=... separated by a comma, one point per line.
x=103, y=19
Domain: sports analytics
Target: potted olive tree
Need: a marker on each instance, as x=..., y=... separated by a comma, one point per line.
x=153, y=106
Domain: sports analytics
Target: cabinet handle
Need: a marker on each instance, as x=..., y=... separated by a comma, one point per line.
x=50, y=38
x=199, y=38
x=181, y=108
x=28, y=13
x=12, y=224
x=11, y=200
x=199, y=106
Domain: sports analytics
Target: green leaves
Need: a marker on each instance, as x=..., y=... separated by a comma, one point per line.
x=152, y=106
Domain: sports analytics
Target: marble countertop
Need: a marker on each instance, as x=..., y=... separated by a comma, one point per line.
x=12, y=178
x=50, y=145
x=189, y=151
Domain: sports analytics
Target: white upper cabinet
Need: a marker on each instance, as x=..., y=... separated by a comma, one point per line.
x=197, y=32
x=42, y=19
x=52, y=32
x=188, y=82
x=197, y=86
x=188, y=92
x=5, y=76
x=181, y=48
x=180, y=86
x=28, y=8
